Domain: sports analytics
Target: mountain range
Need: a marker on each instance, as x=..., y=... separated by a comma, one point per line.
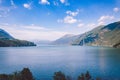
x=6, y=40
x=105, y=35
x=65, y=40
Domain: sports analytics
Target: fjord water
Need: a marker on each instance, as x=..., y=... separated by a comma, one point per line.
x=43, y=61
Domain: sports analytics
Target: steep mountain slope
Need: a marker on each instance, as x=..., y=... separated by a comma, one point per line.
x=5, y=35
x=108, y=35
x=6, y=40
x=65, y=40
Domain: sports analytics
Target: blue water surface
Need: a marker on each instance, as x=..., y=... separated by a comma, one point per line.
x=43, y=61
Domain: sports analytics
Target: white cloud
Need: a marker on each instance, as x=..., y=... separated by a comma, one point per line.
x=103, y=19
x=44, y=2
x=81, y=24
x=27, y=6
x=101, y=23
x=70, y=17
x=33, y=27
x=32, y=32
x=73, y=13
x=62, y=1
x=69, y=20
x=116, y=9
x=65, y=2
x=91, y=25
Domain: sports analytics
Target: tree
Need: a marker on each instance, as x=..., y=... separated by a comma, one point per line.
x=59, y=76
x=82, y=77
x=87, y=76
x=26, y=74
x=4, y=77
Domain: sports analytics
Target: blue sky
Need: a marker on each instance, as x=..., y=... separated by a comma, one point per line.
x=51, y=19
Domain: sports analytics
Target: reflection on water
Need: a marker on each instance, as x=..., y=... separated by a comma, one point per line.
x=72, y=60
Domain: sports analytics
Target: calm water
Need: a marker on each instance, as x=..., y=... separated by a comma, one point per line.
x=72, y=60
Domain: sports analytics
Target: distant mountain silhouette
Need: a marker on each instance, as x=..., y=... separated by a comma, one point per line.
x=6, y=40
x=65, y=40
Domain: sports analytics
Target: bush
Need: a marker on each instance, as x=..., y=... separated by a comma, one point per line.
x=59, y=76
x=25, y=74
